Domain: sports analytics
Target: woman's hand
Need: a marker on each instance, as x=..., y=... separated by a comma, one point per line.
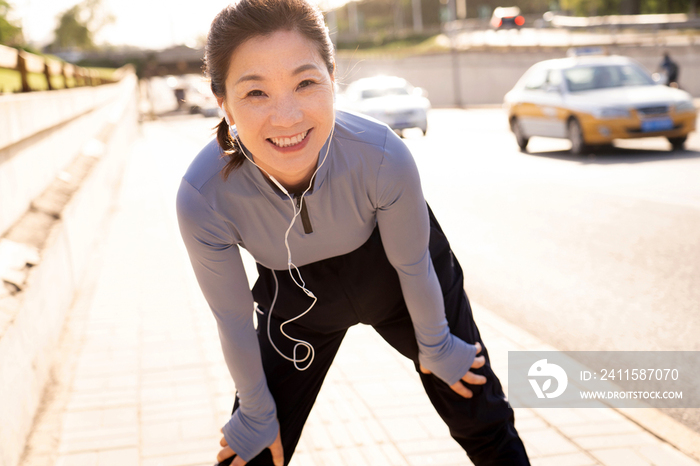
x=469, y=377
x=275, y=449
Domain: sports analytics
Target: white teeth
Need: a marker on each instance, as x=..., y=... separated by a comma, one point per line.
x=286, y=142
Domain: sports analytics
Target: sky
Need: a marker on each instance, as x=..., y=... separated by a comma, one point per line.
x=153, y=24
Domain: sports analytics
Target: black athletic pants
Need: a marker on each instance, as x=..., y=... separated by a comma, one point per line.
x=362, y=286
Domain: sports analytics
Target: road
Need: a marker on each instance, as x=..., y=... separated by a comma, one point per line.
x=600, y=252
x=592, y=253
x=588, y=253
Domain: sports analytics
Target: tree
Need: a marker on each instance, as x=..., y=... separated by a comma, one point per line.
x=78, y=25
x=10, y=34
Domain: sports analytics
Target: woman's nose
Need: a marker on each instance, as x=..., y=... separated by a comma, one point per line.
x=286, y=113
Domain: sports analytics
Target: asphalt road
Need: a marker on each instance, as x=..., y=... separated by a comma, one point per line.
x=600, y=252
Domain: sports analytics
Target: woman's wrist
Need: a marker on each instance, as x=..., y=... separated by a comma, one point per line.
x=249, y=436
x=453, y=364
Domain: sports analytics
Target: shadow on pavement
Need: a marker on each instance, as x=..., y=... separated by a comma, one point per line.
x=609, y=155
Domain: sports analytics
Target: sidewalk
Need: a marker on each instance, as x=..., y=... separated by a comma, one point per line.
x=143, y=382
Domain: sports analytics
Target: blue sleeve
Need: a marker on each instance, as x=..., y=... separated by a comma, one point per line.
x=217, y=264
x=404, y=225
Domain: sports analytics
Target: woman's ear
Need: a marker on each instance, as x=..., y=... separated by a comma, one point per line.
x=222, y=106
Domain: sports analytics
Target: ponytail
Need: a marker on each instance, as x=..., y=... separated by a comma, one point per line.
x=229, y=148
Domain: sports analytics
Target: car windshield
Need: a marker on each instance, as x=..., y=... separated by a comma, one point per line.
x=586, y=78
x=382, y=92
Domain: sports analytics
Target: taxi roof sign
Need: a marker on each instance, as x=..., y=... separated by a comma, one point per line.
x=583, y=51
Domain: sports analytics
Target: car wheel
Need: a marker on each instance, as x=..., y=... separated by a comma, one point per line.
x=578, y=144
x=678, y=143
x=520, y=137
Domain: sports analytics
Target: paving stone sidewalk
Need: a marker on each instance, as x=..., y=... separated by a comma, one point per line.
x=144, y=382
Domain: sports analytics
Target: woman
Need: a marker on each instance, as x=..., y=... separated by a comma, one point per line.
x=330, y=206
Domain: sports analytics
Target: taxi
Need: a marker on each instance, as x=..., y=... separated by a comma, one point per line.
x=593, y=100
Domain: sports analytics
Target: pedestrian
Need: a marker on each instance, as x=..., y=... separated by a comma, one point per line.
x=671, y=69
x=330, y=206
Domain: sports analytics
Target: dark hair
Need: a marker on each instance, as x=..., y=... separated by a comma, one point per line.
x=244, y=20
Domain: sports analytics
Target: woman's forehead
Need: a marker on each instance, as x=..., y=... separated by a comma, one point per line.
x=275, y=55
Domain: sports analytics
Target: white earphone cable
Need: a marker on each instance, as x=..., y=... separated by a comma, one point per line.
x=290, y=265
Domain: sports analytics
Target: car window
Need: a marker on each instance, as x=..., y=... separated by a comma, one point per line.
x=586, y=78
x=536, y=79
x=554, y=78
x=633, y=76
x=372, y=93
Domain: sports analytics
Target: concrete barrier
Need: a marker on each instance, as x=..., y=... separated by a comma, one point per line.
x=484, y=76
x=40, y=133
x=29, y=336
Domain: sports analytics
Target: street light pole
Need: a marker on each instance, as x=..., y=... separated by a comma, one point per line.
x=456, y=73
x=417, y=16
x=462, y=9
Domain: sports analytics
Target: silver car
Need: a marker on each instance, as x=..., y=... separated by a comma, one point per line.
x=389, y=99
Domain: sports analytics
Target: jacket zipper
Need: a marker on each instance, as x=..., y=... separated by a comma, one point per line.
x=304, y=215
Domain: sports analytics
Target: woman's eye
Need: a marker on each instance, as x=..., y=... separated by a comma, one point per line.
x=306, y=83
x=255, y=93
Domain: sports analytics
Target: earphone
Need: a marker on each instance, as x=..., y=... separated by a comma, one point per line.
x=290, y=265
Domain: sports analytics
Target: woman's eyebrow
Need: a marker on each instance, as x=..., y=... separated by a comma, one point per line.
x=302, y=68
x=249, y=77
x=257, y=77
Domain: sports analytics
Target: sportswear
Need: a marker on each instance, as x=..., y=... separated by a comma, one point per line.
x=368, y=179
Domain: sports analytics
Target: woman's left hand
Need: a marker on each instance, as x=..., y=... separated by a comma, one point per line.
x=226, y=452
x=470, y=377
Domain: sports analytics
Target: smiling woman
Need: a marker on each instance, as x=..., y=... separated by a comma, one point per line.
x=366, y=249
x=281, y=103
x=232, y=31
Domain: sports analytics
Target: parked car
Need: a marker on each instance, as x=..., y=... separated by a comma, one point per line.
x=593, y=100
x=507, y=17
x=389, y=99
x=199, y=98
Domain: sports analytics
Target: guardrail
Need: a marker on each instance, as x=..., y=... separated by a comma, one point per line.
x=71, y=75
x=668, y=21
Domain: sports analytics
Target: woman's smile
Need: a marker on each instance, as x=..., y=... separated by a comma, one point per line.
x=290, y=143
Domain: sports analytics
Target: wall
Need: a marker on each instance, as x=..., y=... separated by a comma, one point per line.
x=486, y=75
x=40, y=133
x=28, y=343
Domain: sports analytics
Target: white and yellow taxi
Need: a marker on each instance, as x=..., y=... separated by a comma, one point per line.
x=592, y=100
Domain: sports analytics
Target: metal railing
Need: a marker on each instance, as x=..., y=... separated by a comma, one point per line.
x=71, y=75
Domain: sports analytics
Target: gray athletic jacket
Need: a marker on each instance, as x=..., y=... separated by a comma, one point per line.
x=369, y=178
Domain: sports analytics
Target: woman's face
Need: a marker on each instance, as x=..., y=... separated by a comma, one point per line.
x=279, y=95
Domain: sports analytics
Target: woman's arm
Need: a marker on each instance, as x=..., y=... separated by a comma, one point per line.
x=402, y=215
x=217, y=264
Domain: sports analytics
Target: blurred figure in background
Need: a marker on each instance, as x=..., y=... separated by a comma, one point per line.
x=670, y=69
